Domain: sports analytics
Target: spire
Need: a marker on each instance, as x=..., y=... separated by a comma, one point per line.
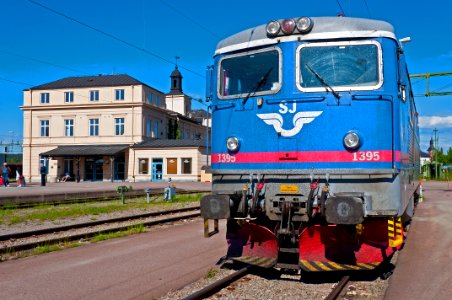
x=176, y=80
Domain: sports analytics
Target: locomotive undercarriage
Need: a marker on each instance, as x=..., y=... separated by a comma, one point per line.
x=309, y=223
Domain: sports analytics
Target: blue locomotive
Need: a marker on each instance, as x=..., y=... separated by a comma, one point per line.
x=315, y=143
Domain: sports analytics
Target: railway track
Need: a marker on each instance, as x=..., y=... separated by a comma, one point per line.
x=78, y=198
x=228, y=280
x=218, y=285
x=53, y=235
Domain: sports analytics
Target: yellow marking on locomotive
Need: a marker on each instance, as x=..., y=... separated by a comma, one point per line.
x=395, y=233
x=323, y=266
x=351, y=267
x=288, y=188
x=264, y=262
x=366, y=266
x=307, y=266
x=336, y=266
x=318, y=266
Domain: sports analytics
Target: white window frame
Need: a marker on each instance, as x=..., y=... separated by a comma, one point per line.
x=45, y=128
x=68, y=97
x=69, y=127
x=340, y=88
x=93, y=127
x=45, y=98
x=94, y=95
x=119, y=126
x=267, y=92
x=119, y=94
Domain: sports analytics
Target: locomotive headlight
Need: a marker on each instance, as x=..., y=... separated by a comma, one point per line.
x=352, y=140
x=232, y=143
x=288, y=26
x=273, y=28
x=304, y=24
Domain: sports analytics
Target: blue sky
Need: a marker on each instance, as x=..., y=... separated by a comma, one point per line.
x=39, y=46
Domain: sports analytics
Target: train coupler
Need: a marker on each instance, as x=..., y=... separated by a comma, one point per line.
x=207, y=232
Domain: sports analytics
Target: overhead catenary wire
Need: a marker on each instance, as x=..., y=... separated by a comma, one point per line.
x=190, y=19
x=340, y=6
x=112, y=36
x=368, y=10
x=43, y=62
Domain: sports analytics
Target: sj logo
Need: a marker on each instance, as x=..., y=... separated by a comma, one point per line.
x=299, y=119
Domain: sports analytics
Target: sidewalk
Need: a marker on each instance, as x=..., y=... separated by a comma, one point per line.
x=423, y=269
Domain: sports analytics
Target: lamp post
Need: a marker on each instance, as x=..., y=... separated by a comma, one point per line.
x=209, y=111
x=436, y=153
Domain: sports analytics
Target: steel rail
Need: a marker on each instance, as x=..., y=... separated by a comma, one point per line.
x=77, y=236
x=338, y=288
x=79, y=197
x=25, y=234
x=218, y=285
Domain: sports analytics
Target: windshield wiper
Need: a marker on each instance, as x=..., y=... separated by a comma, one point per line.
x=259, y=84
x=323, y=82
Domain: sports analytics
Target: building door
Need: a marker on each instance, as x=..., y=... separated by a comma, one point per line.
x=171, y=166
x=157, y=169
x=69, y=167
x=119, y=169
x=94, y=169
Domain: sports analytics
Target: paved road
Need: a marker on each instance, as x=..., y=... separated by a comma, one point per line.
x=424, y=266
x=143, y=266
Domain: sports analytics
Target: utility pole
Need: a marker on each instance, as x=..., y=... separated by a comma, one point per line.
x=436, y=153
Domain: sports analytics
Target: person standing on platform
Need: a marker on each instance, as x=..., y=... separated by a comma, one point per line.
x=43, y=171
x=5, y=174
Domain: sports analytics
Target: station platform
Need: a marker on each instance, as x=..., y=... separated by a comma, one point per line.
x=424, y=267
x=65, y=189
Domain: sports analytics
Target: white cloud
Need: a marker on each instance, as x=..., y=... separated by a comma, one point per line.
x=435, y=122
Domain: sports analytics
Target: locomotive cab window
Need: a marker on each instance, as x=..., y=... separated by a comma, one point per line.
x=342, y=65
x=254, y=73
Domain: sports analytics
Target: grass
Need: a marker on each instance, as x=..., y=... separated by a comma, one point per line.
x=112, y=235
x=12, y=215
x=46, y=248
x=212, y=273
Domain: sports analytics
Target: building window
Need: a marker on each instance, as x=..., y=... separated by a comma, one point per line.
x=93, y=127
x=45, y=98
x=149, y=128
x=68, y=97
x=149, y=98
x=94, y=95
x=119, y=94
x=45, y=127
x=69, y=127
x=156, y=129
x=119, y=126
x=143, y=166
x=156, y=100
x=171, y=166
x=186, y=165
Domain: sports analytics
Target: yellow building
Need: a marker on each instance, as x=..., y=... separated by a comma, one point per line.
x=106, y=127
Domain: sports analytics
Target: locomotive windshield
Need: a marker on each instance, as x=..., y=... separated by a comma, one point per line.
x=344, y=66
x=239, y=75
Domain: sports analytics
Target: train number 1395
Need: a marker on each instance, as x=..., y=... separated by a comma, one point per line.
x=366, y=156
x=226, y=158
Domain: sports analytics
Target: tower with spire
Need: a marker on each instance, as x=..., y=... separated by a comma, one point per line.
x=176, y=100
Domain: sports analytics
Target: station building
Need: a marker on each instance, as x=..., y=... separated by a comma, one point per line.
x=112, y=127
